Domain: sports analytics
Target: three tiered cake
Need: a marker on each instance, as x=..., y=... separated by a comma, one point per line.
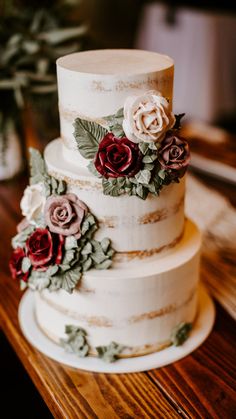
x=104, y=243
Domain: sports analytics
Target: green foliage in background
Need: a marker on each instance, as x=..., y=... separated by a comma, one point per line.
x=32, y=36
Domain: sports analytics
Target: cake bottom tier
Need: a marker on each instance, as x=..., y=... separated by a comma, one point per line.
x=136, y=307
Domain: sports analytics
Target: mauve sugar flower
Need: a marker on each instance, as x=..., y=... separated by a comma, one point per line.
x=174, y=155
x=64, y=214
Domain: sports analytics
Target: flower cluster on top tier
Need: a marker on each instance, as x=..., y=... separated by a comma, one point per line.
x=55, y=243
x=136, y=151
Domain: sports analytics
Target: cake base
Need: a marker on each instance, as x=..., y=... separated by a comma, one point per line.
x=201, y=329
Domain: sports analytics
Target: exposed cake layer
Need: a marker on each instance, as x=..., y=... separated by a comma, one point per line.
x=137, y=227
x=135, y=307
x=94, y=84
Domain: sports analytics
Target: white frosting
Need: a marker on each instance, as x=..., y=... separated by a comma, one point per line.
x=94, y=84
x=132, y=306
x=131, y=223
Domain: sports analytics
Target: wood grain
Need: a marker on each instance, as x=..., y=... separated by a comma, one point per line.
x=203, y=385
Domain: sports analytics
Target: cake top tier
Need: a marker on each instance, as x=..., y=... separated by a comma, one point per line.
x=115, y=62
x=96, y=84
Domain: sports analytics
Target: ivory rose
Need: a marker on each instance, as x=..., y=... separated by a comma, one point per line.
x=147, y=117
x=33, y=201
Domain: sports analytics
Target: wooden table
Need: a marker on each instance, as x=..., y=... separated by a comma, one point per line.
x=203, y=385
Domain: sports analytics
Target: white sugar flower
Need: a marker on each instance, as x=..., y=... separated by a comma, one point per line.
x=147, y=117
x=32, y=202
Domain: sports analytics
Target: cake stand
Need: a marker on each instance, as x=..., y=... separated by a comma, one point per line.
x=202, y=327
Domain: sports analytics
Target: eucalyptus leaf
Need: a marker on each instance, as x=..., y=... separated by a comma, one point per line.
x=70, y=243
x=106, y=264
x=20, y=239
x=153, y=146
x=162, y=174
x=180, y=333
x=93, y=169
x=115, y=123
x=37, y=167
x=70, y=279
x=38, y=281
x=105, y=244
x=149, y=166
x=87, y=249
x=76, y=341
x=111, y=187
x=149, y=158
x=52, y=270
x=143, y=147
x=87, y=264
x=141, y=191
x=110, y=352
x=143, y=176
x=55, y=283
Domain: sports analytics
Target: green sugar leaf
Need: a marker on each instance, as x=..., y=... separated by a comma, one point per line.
x=149, y=158
x=143, y=176
x=115, y=122
x=87, y=249
x=162, y=174
x=105, y=243
x=110, y=352
x=76, y=341
x=93, y=169
x=89, y=223
x=38, y=280
x=70, y=243
x=180, y=333
x=88, y=135
x=20, y=239
x=37, y=167
x=112, y=187
x=52, y=270
x=87, y=264
x=141, y=191
x=153, y=146
x=143, y=147
x=26, y=264
x=70, y=279
x=106, y=264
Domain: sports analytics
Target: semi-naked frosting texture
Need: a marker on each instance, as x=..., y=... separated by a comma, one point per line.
x=94, y=84
x=137, y=307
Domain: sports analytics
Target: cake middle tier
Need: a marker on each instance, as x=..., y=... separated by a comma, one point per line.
x=137, y=228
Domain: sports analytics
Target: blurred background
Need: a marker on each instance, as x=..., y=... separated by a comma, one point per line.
x=201, y=37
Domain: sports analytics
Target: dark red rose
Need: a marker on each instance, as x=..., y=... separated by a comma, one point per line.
x=174, y=155
x=44, y=248
x=15, y=264
x=117, y=157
